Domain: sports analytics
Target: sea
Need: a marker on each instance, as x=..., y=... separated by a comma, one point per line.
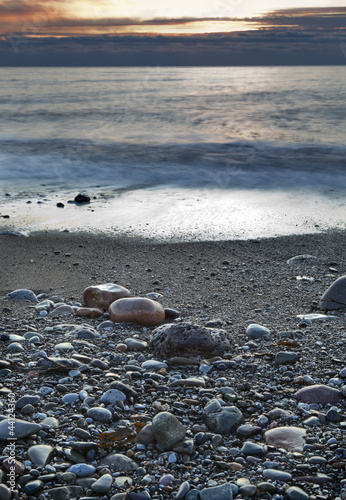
x=194, y=153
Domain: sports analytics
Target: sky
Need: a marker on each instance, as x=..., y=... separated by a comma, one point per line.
x=171, y=32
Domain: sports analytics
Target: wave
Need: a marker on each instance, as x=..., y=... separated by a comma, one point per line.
x=238, y=164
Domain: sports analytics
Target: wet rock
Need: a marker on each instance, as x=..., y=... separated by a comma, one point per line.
x=221, y=419
x=102, y=296
x=334, y=297
x=137, y=310
x=89, y=312
x=319, y=393
x=182, y=491
x=184, y=339
x=289, y=438
x=23, y=294
x=248, y=430
x=168, y=430
x=5, y=492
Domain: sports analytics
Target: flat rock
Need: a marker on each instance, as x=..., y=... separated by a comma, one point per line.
x=185, y=339
x=121, y=463
x=65, y=492
x=254, y=449
x=255, y=331
x=221, y=419
x=137, y=310
x=102, y=296
x=89, y=312
x=286, y=358
x=40, y=454
x=153, y=364
x=319, y=393
x=63, y=310
x=23, y=294
x=295, y=493
x=335, y=296
x=188, y=382
x=138, y=345
x=248, y=430
x=167, y=429
x=16, y=428
x=224, y=492
x=277, y=475
x=82, y=470
x=289, y=438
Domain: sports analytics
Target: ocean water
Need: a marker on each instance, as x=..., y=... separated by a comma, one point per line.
x=263, y=133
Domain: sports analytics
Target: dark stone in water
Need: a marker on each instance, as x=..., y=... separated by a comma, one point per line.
x=60, y=205
x=82, y=198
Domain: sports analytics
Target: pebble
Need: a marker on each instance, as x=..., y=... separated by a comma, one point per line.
x=112, y=397
x=138, y=310
x=5, y=492
x=221, y=419
x=82, y=470
x=70, y=398
x=40, y=454
x=277, y=475
x=16, y=428
x=319, y=393
x=335, y=296
x=295, y=493
x=121, y=463
x=223, y=491
x=255, y=331
x=23, y=294
x=285, y=358
x=100, y=414
x=63, y=310
x=288, y=438
x=102, y=485
x=183, y=490
x=167, y=429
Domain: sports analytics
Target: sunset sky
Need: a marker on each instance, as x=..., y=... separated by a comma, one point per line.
x=172, y=32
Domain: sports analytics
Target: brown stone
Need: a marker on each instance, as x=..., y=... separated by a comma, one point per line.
x=138, y=310
x=319, y=393
x=9, y=463
x=288, y=438
x=185, y=339
x=101, y=296
x=89, y=312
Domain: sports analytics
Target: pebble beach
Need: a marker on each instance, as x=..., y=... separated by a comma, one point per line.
x=97, y=409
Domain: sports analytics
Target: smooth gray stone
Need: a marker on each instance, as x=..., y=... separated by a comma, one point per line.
x=70, y=398
x=285, y=358
x=139, y=345
x=82, y=470
x=254, y=449
x=100, y=415
x=255, y=331
x=15, y=347
x=51, y=422
x=112, y=397
x=23, y=294
x=335, y=296
x=295, y=493
x=221, y=419
x=277, y=475
x=5, y=492
x=25, y=400
x=153, y=364
x=224, y=492
x=192, y=495
x=183, y=489
x=33, y=486
x=64, y=310
x=299, y=259
x=167, y=429
x=102, y=485
x=121, y=463
x=118, y=496
x=16, y=428
x=40, y=454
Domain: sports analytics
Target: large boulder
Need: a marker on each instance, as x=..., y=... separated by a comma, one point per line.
x=101, y=296
x=186, y=339
x=138, y=310
x=335, y=296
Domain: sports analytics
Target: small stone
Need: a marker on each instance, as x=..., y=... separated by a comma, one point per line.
x=335, y=296
x=138, y=345
x=10, y=464
x=248, y=430
x=82, y=470
x=277, y=475
x=182, y=491
x=82, y=198
x=100, y=415
x=121, y=463
x=146, y=435
x=33, y=486
x=254, y=449
x=285, y=358
x=102, y=485
x=295, y=493
x=224, y=492
x=300, y=259
x=319, y=393
x=139, y=495
x=167, y=429
x=221, y=419
x=89, y=312
x=64, y=346
x=23, y=294
x=112, y=397
x=255, y=331
x=153, y=364
x=102, y=296
x=40, y=454
x=63, y=310
x=138, y=310
x=15, y=347
x=248, y=491
x=288, y=438
x=5, y=492
x=171, y=313
x=188, y=382
x=70, y=398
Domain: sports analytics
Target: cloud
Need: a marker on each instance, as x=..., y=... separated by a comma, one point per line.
x=269, y=47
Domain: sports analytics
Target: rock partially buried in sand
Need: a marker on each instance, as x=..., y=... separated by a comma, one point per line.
x=138, y=310
x=186, y=339
x=89, y=312
x=335, y=296
x=102, y=296
x=288, y=438
x=23, y=294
